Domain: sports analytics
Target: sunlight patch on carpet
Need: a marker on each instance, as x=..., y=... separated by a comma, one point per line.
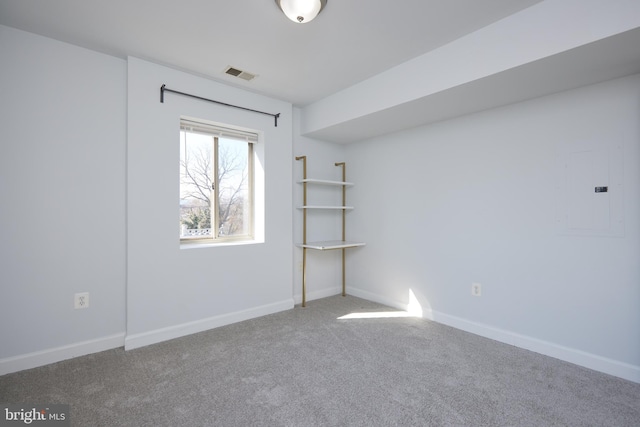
x=414, y=309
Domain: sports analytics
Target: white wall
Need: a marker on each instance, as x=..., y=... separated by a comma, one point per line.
x=62, y=186
x=173, y=291
x=474, y=200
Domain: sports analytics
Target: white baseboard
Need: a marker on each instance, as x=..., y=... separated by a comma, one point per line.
x=323, y=293
x=53, y=355
x=578, y=357
x=572, y=355
x=152, y=337
x=45, y=357
x=567, y=354
x=377, y=298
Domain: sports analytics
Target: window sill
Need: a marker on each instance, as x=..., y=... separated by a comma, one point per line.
x=201, y=244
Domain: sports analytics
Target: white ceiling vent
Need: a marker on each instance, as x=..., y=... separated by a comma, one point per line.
x=232, y=71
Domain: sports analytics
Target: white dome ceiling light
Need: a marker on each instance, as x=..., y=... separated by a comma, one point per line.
x=301, y=11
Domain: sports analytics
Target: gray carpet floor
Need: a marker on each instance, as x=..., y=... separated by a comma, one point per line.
x=305, y=367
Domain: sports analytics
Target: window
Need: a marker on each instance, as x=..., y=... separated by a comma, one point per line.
x=216, y=183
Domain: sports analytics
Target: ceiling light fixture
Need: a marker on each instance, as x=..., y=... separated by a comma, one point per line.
x=301, y=11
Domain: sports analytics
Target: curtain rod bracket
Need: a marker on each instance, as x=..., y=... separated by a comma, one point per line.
x=164, y=88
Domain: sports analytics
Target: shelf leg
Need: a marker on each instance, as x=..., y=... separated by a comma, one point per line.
x=344, y=280
x=304, y=277
x=344, y=234
x=304, y=231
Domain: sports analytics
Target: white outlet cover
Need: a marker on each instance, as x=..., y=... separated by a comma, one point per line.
x=81, y=300
x=476, y=289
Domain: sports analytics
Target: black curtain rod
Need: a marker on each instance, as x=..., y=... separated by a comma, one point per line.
x=164, y=89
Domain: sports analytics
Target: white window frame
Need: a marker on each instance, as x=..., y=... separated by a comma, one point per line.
x=228, y=132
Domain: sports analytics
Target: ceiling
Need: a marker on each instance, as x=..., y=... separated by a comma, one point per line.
x=605, y=59
x=351, y=40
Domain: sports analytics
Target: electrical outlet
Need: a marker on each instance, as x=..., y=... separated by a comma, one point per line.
x=476, y=289
x=81, y=300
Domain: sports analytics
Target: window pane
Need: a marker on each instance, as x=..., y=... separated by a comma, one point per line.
x=233, y=193
x=196, y=192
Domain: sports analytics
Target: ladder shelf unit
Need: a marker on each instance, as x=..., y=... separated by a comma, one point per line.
x=342, y=244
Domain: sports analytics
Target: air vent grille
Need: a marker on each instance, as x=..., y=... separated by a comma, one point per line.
x=232, y=71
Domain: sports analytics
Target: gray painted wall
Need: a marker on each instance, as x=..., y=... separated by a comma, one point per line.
x=475, y=199
x=172, y=290
x=62, y=186
x=75, y=219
